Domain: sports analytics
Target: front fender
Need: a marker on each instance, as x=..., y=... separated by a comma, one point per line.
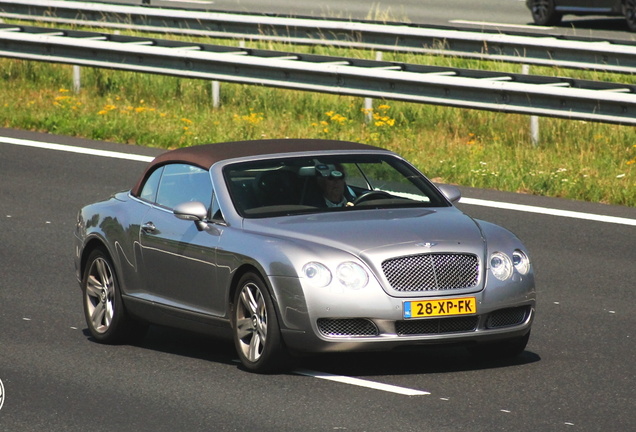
x=115, y=229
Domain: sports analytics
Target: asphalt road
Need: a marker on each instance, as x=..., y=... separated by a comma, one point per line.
x=577, y=373
x=503, y=15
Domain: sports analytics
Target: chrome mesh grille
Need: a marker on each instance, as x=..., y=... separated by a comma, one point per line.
x=432, y=272
x=507, y=317
x=436, y=326
x=347, y=327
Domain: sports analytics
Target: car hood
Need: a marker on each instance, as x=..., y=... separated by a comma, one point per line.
x=386, y=232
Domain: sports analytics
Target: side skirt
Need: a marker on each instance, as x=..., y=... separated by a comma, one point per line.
x=169, y=316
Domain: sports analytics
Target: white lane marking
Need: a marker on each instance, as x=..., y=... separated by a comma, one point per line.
x=464, y=200
x=362, y=383
x=548, y=211
x=490, y=24
x=81, y=150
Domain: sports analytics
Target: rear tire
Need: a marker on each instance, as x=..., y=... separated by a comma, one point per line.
x=544, y=13
x=103, y=307
x=257, y=336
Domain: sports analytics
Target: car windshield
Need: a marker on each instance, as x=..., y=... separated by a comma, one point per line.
x=327, y=183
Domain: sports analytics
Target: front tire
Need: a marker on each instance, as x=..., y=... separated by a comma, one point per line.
x=103, y=307
x=256, y=330
x=544, y=13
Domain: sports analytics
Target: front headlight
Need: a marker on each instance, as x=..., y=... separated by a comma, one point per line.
x=317, y=274
x=352, y=275
x=521, y=262
x=500, y=266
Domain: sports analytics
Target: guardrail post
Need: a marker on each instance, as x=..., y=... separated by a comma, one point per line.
x=534, y=120
x=534, y=130
x=77, y=79
x=216, y=94
x=368, y=102
x=216, y=86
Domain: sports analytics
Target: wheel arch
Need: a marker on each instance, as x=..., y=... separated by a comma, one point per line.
x=93, y=244
x=239, y=273
x=234, y=286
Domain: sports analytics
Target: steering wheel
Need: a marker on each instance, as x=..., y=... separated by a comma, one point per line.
x=372, y=194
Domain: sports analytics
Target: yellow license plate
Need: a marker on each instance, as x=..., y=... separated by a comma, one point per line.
x=436, y=308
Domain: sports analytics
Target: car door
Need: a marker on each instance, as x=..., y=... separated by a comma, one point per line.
x=179, y=259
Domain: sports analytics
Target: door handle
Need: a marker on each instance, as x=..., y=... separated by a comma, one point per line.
x=148, y=227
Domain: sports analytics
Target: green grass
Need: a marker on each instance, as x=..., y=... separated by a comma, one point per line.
x=578, y=160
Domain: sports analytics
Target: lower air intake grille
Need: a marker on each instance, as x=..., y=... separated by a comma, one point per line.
x=436, y=326
x=347, y=327
x=507, y=317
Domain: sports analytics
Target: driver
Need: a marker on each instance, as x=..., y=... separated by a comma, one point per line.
x=331, y=181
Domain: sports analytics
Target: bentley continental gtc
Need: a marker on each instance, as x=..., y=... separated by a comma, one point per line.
x=292, y=247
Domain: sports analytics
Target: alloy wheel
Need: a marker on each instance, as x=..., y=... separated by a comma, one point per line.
x=251, y=322
x=100, y=295
x=543, y=12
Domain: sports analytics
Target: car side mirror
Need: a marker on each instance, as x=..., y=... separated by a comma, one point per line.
x=192, y=211
x=450, y=192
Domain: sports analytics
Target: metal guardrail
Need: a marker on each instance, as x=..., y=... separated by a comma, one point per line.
x=570, y=52
x=511, y=93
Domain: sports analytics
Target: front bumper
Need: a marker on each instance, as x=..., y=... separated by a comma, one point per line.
x=382, y=335
x=370, y=320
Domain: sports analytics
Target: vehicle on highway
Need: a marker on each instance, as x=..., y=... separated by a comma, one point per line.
x=550, y=12
x=297, y=246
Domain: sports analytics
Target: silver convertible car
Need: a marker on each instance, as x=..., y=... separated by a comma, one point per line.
x=300, y=246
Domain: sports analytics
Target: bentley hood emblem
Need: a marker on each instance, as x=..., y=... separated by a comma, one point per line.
x=426, y=244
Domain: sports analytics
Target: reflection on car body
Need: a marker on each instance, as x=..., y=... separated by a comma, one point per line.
x=239, y=240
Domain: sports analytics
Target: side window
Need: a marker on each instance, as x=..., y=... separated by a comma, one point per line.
x=182, y=183
x=149, y=191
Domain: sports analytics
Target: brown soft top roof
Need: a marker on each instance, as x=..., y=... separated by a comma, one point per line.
x=206, y=155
